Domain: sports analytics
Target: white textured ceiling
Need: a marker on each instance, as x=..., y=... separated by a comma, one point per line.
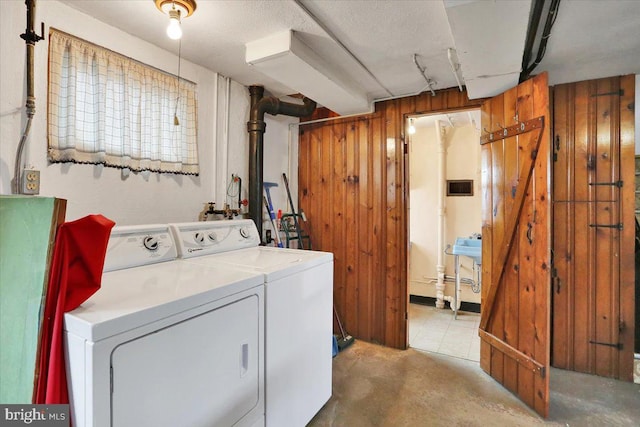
x=591, y=38
x=384, y=35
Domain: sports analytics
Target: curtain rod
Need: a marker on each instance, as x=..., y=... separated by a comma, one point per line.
x=53, y=29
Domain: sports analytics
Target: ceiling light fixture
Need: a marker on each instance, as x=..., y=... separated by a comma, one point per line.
x=176, y=9
x=412, y=128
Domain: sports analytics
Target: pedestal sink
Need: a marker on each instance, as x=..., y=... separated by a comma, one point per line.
x=468, y=247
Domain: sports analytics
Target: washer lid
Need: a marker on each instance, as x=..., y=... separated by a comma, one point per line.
x=134, y=297
x=274, y=263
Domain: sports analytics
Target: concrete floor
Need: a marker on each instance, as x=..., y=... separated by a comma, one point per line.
x=379, y=386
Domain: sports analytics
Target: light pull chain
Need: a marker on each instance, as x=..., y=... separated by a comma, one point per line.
x=176, y=122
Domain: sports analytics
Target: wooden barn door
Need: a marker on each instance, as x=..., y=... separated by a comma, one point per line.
x=514, y=325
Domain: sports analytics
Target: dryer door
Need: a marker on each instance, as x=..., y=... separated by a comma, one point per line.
x=203, y=371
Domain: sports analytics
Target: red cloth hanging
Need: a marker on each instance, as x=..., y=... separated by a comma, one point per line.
x=76, y=273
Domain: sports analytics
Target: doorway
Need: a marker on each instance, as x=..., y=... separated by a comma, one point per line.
x=606, y=102
x=444, y=204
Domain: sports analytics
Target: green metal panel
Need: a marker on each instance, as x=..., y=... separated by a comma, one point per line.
x=25, y=230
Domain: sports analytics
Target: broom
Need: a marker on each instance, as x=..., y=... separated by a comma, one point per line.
x=346, y=340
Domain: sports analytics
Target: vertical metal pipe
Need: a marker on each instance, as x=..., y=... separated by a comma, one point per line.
x=215, y=185
x=442, y=163
x=225, y=137
x=256, y=127
x=30, y=37
x=30, y=41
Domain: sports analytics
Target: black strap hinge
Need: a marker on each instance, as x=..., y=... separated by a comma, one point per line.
x=616, y=93
x=613, y=184
x=616, y=226
x=608, y=344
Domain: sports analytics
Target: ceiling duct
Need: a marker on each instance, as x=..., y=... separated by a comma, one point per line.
x=489, y=39
x=288, y=60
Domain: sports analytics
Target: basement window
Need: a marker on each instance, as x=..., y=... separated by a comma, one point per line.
x=108, y=109
x=460, y=187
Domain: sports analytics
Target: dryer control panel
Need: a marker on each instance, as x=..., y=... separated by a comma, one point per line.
x=133, y=246
x=212, y=237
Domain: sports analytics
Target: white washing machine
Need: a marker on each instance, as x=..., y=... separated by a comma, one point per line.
x=166, y=343
x=298, y=312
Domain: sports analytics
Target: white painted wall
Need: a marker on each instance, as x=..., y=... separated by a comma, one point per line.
x=281, y=156
x=237, y=140
x=463, y=214
x=280, y=150
x=135, y=199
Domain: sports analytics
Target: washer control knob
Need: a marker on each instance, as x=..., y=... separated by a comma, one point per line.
x=199, y=237
x=213, y=236
x=151, y=243
x=244, y=232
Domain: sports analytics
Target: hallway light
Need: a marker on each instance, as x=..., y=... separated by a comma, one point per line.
x=412, y=128
x=176, y=9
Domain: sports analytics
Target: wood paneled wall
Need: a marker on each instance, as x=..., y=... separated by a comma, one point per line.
x=593, y=293
x=353, y=190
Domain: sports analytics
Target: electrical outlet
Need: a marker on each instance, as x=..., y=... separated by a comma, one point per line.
x=30, y=182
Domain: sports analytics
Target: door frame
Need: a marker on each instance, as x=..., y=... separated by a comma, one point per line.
x=407, y=184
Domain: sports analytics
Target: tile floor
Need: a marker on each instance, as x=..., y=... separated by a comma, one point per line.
x=435, y=330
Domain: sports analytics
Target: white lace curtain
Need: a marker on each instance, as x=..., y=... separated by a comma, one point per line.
x=105, y=108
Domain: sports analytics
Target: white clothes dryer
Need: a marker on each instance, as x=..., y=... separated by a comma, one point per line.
x=165, y=343
x=298, y=312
